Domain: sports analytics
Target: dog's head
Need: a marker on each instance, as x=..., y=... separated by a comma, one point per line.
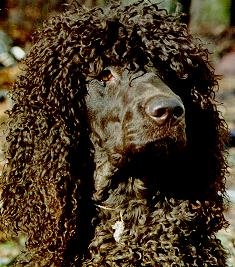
x=117, y=83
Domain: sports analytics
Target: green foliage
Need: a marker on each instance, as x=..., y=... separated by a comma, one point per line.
x=209, y=12
x=215, y=11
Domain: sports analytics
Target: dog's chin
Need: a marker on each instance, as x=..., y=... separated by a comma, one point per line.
x=161, y=148
x=159, y=157
x=144, y=159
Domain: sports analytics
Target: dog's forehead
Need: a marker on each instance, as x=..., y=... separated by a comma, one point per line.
x=149, y=75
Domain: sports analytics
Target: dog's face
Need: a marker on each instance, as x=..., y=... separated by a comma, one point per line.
x=131, y=111
x=136, y=121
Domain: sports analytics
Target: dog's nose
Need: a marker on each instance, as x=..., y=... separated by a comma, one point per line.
x=165, y=110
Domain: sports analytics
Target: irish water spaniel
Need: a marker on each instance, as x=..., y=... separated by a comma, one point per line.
x=116, y=152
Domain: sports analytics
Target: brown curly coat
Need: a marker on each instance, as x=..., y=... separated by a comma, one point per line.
x=165, y=200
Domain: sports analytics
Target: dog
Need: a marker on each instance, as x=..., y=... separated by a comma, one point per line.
x=116, y=149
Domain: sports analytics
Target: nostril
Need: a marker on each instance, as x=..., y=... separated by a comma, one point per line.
x=159, y=112
x=178, y=111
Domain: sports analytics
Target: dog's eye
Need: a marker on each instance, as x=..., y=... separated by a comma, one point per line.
x=105, y=76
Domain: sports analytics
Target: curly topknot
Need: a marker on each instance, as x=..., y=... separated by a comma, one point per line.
x=48, y=183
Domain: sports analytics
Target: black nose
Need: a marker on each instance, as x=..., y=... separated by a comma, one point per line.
x=164, y=110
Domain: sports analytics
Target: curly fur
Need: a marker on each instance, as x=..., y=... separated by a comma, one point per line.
x=172, y=211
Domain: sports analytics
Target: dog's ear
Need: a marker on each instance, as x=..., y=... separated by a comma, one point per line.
x=207, y=132
x=44, y=188
x=47, y=182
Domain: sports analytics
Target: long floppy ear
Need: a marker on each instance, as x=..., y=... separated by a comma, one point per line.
x=47, y=183
x=47, y=180
x=207, y=135
x=207, y=132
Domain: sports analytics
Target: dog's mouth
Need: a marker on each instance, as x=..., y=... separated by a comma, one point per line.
x=150, y=139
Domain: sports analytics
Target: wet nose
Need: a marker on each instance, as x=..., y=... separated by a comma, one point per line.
x=165, y=110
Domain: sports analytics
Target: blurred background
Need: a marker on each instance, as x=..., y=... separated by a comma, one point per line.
x=213, y=21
